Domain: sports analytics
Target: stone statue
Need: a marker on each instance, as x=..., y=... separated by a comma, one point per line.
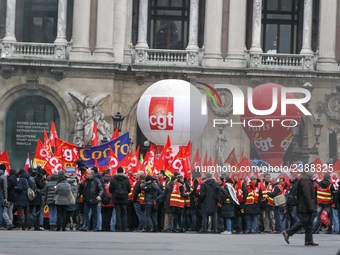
x=78, y=132
x=103, y=129
x=220, y=146
x=90, y=113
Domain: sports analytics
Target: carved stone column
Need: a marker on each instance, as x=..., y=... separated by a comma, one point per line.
x=213, y=34
x=104, y=43
x=193, y=25
x=143, y=25
x=326, y=60
x=10, y=22
x=128, y=29
x=62, y=18
x=256, y=31
x=307, y=28
x=81, y=30
x=237, y=33
x=122, y=30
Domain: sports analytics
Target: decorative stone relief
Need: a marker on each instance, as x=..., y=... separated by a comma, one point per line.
x=227, y=103
x=88, y=113
x=332, y=107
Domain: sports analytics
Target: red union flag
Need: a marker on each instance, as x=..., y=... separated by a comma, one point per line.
x=161, y=113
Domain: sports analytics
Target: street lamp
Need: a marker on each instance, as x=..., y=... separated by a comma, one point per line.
x=317, y=130
x=118, y=121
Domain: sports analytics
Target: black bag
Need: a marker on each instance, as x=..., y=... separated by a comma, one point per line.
x=106, y=199
x=292, y=196
x=121, y=190
x=222, y=194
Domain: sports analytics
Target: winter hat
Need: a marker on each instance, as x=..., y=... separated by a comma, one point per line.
x=120, y=170
x=21, y=171
x=2, y=167
x=327, y=176
x=149, y=178
x=61, y=172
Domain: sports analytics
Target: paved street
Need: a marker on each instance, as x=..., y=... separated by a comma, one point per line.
x=102, y=243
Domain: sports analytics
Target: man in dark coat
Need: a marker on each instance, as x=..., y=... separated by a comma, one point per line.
x=120, y=188
x=22, y=198
x=92, y=190
x=306, y=208
x=208, y=202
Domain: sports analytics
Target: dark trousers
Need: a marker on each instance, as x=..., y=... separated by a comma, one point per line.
x=160, y=216
x=36, y=215
x=121, y=217
x=106, y=217
x=151, y=218
x=87, y=207
x=177, y=217
x=199, y=219
x=240, y=220
x=132, y=219
x=214, y=221
x=23, y=221
x=61, y=217
x=306, y=220
x=328, y=208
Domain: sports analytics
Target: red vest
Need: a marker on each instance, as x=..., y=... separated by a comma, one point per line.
x=270, y=199
x=324, y=195
x=238, y=189
x=132, y=191
x=175, y=198
x=265, y=190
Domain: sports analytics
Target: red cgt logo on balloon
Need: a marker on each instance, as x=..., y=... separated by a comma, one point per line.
x=270, y=134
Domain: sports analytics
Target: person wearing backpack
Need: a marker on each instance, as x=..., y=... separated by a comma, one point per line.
x=120, y=188
x=22, y=198
x=292, y=200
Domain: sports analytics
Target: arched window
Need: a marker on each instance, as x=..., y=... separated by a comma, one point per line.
x=25, y=122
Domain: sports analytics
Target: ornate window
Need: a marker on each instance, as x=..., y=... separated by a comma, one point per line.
x=282, y=25
x=36, y=20
x=169, y=24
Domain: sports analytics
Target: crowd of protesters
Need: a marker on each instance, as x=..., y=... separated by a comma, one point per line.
x=158, y=203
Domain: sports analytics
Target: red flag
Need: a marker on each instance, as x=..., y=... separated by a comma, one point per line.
x=94, y=141
x=146, y=166
x=318, y=166
x=47, y=145
x=55, y=163
x=232, y=159
x=113, y=162
x=186, y=165
x=28, y=163
x=53, y=134
x=134, y=164
x=126, y=160
x=177, y=165
x=115, y=134
x=40, y=155
x=167, y=156
x=4, y=159
x=68, y=151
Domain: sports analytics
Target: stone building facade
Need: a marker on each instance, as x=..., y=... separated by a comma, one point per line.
x=53, y=48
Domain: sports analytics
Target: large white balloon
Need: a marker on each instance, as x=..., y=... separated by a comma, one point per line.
x=172, y=107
